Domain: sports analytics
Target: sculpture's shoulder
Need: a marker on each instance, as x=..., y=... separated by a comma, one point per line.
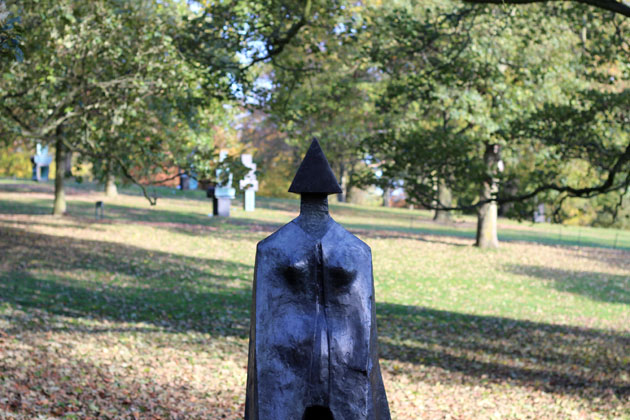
x=281, y=238
x=341, y=235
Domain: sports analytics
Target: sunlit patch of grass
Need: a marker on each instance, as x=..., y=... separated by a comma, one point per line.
x=145, y=314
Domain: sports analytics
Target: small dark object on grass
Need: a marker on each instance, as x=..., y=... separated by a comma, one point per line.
x=215, y=201
x=98, y=210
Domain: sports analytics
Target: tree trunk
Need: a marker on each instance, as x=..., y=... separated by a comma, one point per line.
x=487, y=226
x=110, y=182
x=487, y=213
x=68, y=164
x=59, y=206
x=387, y=193
x=341, y=198
x=349, y=186
x=445, y=199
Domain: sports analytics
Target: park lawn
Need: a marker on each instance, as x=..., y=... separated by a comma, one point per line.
x=145, y=314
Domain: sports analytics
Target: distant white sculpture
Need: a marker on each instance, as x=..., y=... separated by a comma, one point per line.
x=249, y=184
x=41, y=163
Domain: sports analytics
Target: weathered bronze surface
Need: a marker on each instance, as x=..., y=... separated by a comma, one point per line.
x=313, y=345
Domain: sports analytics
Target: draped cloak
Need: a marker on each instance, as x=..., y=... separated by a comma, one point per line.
x=313, y=328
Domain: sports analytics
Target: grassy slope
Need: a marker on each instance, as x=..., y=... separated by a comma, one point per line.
x=146, y=313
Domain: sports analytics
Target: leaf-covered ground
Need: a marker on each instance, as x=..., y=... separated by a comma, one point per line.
x=144, y=315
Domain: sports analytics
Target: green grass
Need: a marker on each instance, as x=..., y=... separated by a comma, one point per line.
x=146, y=313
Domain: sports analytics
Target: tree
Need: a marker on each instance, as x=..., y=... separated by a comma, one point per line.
x=454, y=80
x=589, y=137
x=120, y=82
x=583, y=143
x=467, y=89
x=330, y=98
x=239, y=37
x=104, y=79
x=288, y=52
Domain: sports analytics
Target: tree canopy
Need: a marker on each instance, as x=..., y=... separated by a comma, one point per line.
x=466, y=105
x=498, y=105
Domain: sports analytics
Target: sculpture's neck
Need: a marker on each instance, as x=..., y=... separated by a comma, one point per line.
x=314, y=215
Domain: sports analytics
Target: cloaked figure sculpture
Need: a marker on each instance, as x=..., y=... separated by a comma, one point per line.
x=312, y=345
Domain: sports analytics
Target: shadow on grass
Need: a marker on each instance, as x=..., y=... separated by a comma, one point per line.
x=546, y=357
x=419, y=228
x=215, y=312
x=113, y=212
x=412, y=224
x=613, y=257
x=93, y=279
x=594, y=285
x=26, y=187
x=569, y=239
x=32, y=207
x=362, y=231
x=438, y=230
x=75, y=188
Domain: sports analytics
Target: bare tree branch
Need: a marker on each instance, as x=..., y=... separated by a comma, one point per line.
x=608, y=185
x=610, y=5
x=123, y=168
x=276, y=45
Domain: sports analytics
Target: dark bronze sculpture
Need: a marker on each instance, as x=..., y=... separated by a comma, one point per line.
x=312, y=345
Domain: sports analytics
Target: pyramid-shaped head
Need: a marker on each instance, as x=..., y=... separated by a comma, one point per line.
x=314, y=176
